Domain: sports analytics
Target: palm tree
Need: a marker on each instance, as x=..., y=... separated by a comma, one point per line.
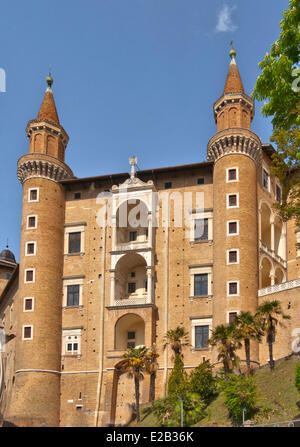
x=223, y=337
x=151, y=367
x=268, y=314
x=247, y=327
x=134, y=364
x=178, y=339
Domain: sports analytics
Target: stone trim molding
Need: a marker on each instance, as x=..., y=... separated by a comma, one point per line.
x=40, y=168
x=37, y=370
x=234, y=141
x=56, y=129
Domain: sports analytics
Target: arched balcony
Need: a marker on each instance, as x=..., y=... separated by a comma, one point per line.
x=279, y=276
x=270, y=275
x=131, y=281
x=266, y=225
x=132, y=227
x=129, y=332
x=266, y=269
x=272, y=232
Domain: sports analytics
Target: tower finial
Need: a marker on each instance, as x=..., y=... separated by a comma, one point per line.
x=232, y=52
x=49, y=79
x=133, y=163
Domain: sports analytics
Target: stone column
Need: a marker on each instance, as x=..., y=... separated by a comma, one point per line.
x=272, y=234
x=149, y=284
x=112, y=286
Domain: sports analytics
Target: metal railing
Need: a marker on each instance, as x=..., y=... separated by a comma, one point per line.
x=293, y=423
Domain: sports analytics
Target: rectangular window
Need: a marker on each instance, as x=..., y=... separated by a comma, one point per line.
x=72, y=345
x=232, y=175
x=168, y=185
x=201, y=230
x=232, y=200
x=77, y=196
x=73, y=295
x=233, y=288
x=33, y=195
x=29, y=275
x=74, y=242
x=131, y=287
x=27, y=332
x=200, y=181
x=71, y=342
x=31, y=222
x=131, y=339
x=232, y=257
x=201, y=284
x=8, y=275
x=30, y=248
x=278, y=194
x=232, y=316
x=201, y=336
x=266, y=179
x=28, y=304
x=232, y=227
x=133, y=236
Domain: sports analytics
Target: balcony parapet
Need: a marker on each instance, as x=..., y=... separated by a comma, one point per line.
x=131, y=246
x=136, y=301
x=279, y=287
x=272, y=254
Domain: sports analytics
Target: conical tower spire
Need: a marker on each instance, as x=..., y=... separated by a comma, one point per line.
x=234, y=108
x=233, y=82
x=48, y=109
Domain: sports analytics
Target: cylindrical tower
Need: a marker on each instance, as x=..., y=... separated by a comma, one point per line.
x=36, y=389
x=236, y=152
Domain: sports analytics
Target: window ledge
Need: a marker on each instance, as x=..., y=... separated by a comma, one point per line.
x=201, y=296
x=71, y=356
x=200, y=349
x=205, y=241
x=80, y=306
x=74, y=254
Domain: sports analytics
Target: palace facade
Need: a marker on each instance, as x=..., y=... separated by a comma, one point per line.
x=113, y=261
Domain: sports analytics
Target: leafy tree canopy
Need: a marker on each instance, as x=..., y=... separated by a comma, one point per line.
x=279, y=82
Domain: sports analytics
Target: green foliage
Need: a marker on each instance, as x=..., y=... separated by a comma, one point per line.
x=269, y=313
x=297, y=376
x=240, y=392
x=168, y=410
x=279, y=83
x=202, y=381
x=178, y=338
x=224, y=338
x=277, y=78
x=177, y=383
x=286, y=168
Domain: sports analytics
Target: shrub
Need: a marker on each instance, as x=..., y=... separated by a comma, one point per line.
x=202, y=381
x=177, y=383
x=297, y=376
x=168, y=410
x=240, y=392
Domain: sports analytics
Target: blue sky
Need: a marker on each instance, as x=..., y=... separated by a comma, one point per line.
x=130, y=77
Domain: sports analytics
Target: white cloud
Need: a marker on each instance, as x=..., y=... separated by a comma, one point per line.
x=224, y=20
